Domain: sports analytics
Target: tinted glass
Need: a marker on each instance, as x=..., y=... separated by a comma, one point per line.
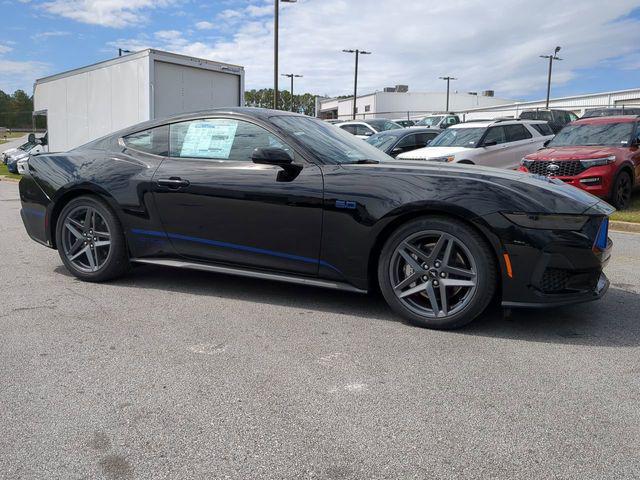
x=382, y=140
x=383, y=125
x=349, y=128
x=540, y=115
x=614, y=134
x=363, y=130
x=459, y=137
x=543, y=128
x=220, y=139
x=496, y=134
x=328, y=144
x=409, y=141
x=515, y=133
x=154, y=141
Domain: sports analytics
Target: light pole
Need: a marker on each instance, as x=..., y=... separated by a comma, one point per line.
x=122, y=50
x=551, y=59
x=291, y=76
x=276, y=19
x=448, y=79
x=355, y=82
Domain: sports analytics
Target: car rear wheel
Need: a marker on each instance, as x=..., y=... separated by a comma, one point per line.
x=621, y=191
x=90, y=240
x=437, y=272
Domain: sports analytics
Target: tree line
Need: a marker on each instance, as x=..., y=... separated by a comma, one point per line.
x=16, y=109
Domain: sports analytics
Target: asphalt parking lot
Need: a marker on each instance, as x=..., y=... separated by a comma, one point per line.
x=178, y=374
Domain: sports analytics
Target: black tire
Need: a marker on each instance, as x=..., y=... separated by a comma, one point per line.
x=113, y=264
x=621, y=190
x=468, y=242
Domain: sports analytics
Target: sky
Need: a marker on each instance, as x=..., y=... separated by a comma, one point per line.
x=484, y=44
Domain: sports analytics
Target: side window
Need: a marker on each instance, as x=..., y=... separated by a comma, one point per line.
x=409, y=141
x=452, y=120
x=515, y=133
x=363, y=130
x=154, y=141
x=349, y=128
x=543, y=128
x=220, y=139
x=423, y=138
x=496, y=134
x=638, y=133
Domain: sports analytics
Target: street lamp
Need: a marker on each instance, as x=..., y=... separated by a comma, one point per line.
x=355, y=82
x=275, y=50
x=291, y=76
x=448, y=79
x=551, y=59
x=122, y=50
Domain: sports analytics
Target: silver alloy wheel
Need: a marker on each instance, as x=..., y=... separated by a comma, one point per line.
x=86, y=239
x=433, y=274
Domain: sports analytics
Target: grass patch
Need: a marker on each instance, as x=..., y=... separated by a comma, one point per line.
x=11, y=136
x=5, y=173
x=631, y=214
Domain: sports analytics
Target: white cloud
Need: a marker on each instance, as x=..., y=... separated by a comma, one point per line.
x=5, y=49
x=54, y=33
x=204, y=25
x=16, y=74
x=107, y=13
x=486, y=45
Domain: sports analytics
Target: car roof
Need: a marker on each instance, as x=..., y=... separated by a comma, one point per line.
x=604, y=120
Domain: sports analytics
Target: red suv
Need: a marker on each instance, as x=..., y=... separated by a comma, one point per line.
x=599, y=155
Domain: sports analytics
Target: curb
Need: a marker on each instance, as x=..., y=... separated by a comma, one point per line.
x=624, y=226
x=7, y=179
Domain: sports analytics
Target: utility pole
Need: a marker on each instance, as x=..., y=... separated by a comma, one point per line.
x=551, y=59
x=448, y=79
x=355, y=81
x=291, y=76
x=276, y=20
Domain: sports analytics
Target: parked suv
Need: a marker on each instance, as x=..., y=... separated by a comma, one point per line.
x=611, y=112
x=555, y=118
x=599, y=155
x=441, y=121
x=395, y=142
x=366, y=128
x=499, y=143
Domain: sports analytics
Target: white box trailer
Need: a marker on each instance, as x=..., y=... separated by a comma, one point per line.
x=90, y=102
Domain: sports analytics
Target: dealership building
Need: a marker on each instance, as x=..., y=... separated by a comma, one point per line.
x=399, y=102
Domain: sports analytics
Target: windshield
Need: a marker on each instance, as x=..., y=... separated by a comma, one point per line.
x=614, y=134
x=430, y=121
x=327, y=142
x=610, y=112
x=459, y=137
x=383, y=125
x=382, y=141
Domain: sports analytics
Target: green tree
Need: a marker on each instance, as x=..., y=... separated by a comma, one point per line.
x=263, y=98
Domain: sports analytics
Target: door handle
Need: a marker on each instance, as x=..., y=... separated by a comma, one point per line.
x=173, y=182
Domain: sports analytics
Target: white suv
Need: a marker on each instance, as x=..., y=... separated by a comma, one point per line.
x=366, y=128
x=492, y=143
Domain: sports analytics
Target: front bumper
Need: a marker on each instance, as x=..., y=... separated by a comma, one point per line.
x=595, y=180
x=552, y=267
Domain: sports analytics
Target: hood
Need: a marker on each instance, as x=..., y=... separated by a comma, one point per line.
x=572, y=153
x=518, y=191
x=432, y=152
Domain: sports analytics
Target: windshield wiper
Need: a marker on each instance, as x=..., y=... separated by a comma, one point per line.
x=364, y=161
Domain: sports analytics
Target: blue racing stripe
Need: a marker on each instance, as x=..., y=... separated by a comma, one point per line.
x=233, y=246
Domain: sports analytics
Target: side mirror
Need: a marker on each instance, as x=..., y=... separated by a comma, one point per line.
x=428, y=143
x=31, y=138
x=490, y=143
x=368, y=133
x=271, y=156
x=546, y=143
x=396, y=151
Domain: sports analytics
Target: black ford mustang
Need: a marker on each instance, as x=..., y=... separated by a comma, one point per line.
x=280, y=196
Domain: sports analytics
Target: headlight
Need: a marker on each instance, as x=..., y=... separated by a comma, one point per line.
x=442, y=159
x=598, y=162
x=525, y=162
x=547, y=221
x=23, y=165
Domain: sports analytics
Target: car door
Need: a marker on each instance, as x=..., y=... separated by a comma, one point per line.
x=216, y=205
x=520, y=142
x=410, y=142
x=494, y=149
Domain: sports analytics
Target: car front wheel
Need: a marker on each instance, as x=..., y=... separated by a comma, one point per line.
x=437, y=272
x=90, y=240
x=621, y=191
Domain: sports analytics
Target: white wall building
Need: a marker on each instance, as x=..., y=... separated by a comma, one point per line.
x=578, y=104
x=403, y=104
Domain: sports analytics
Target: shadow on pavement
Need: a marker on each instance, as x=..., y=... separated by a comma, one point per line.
x=613, y=321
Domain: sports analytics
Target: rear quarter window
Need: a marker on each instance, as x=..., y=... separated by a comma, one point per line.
x=154, y=141
x=542, y=128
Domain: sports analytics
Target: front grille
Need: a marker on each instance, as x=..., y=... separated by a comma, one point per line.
x=566, y=168
x=554, y=280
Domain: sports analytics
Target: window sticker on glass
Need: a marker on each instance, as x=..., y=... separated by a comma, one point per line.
x=209, y=139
